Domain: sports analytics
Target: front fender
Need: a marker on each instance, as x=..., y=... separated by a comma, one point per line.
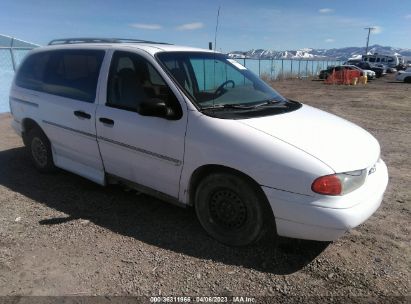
x=267, y=160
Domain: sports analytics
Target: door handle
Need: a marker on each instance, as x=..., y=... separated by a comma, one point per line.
x=82, y=114
x=106, y=121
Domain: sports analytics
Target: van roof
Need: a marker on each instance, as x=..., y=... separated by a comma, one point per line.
x=381, y=55
x=149, y=48
x=100, y=40
x=118, y=44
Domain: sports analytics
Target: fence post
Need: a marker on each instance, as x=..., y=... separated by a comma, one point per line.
x=291, y=61
x=259, y=67
x=13, y=61
x=282, y=68
x=312, y=68
x=271, y=69
x=299, y=68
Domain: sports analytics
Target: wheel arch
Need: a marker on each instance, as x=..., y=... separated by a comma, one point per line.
x=29, y=124
x=201, y=172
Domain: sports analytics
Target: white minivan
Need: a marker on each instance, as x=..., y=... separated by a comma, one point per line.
x=194, y=127
x=391, y=61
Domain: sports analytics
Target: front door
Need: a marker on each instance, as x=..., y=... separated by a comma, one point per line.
x=146, y=150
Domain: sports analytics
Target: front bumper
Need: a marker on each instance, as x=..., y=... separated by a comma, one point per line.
x=309, y=217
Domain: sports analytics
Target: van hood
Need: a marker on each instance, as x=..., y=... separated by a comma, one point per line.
x=338, y=143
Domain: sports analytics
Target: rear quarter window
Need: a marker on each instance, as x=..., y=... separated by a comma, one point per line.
x=30, y=75
x=67, y=73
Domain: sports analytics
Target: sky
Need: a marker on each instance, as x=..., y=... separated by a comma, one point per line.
x=243, y=25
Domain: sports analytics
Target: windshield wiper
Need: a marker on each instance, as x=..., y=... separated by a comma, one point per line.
x=241, y=106
x=269, y=103
x=227, y=106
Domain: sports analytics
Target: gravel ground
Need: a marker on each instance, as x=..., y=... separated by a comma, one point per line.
x=63, y=235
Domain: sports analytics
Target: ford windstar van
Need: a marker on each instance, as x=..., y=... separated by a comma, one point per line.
x=194, y=127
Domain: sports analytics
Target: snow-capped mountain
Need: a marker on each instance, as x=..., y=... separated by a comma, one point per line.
x=307, y=53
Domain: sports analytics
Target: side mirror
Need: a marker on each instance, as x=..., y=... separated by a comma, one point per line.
x=157, y=108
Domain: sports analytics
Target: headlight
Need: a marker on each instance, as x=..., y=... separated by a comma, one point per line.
x=339, y=184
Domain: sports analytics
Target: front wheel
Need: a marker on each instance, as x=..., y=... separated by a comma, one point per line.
x=407, y=79
x=231, y=209
x=39, y=148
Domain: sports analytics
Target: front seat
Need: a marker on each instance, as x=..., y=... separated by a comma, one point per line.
x=129, y=92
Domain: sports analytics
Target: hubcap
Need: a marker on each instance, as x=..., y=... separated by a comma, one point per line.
x=39, y=152
x=227, y=209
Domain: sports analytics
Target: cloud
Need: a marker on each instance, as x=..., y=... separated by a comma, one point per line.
x=376, y=29
x=325, y=10
x=190, y=26
x=145, y=26
x=329, y=40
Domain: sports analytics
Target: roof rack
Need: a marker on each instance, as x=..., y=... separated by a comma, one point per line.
x=100, y=40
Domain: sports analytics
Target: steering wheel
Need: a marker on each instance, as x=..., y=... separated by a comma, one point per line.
x=220, y=90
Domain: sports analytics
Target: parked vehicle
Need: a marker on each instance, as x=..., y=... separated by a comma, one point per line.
x=323, y=74
x=404, y=75
x=369, y=73
x=391, y=61
x=383, y=67
x=391, y=70
x=402, y=67
x=379, y=71
x=196, y=128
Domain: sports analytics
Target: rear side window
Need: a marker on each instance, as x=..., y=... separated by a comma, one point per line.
x=67, y=73
x=73, y=74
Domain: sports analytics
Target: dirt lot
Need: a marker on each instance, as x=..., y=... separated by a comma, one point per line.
x=63, y=235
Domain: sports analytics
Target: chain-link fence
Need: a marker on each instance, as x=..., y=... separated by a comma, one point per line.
x=277, y=69
x=12, y=53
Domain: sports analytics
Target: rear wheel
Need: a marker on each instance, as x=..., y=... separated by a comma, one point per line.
x=39, y=149
x=231, y=209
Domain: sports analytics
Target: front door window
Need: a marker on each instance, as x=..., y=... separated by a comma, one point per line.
x=133, y=81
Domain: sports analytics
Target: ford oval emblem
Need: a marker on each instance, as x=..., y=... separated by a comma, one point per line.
x=372, y=170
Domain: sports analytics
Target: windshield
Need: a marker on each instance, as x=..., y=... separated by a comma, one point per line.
x=213, y=80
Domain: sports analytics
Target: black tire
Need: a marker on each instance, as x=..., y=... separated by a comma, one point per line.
x=231, y=209
x=39, y=148
x=407, y=79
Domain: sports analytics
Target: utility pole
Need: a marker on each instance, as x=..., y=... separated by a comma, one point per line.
x=368, y=37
